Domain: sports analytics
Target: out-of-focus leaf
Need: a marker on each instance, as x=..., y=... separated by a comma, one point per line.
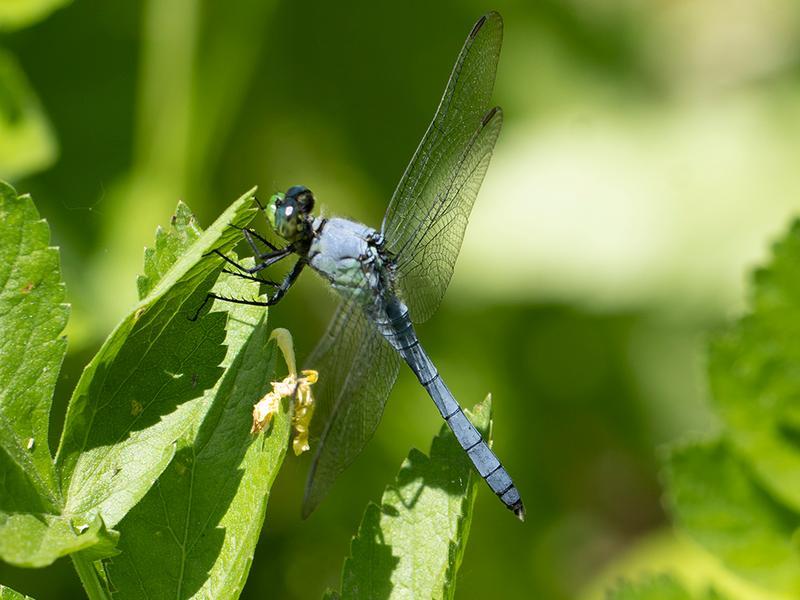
x=717, y=502
x=19, y=13
x=739, y=495
x=660, y=587
x=27, y=143
x=6, y=593
x=144, y=388
x=221, y=86
x=36, y=540
x=412, y=545
x=755, y=377
x=32, y=317
x=195, y=531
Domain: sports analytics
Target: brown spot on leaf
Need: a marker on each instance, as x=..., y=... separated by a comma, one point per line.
x=136, y=408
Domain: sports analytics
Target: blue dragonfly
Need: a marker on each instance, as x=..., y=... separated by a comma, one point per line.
x=391, y=278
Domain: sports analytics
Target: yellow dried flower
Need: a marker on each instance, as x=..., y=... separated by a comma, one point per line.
x=303, y=411
x=291, y=386
x=264, y=409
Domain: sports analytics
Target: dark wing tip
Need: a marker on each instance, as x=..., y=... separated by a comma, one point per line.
x=492, y=15
x=490, y=114
x=477, y=27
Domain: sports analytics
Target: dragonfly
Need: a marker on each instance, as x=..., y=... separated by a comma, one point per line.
x=391, y=278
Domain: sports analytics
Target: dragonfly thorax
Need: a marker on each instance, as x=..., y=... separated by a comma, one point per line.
x=351, y=257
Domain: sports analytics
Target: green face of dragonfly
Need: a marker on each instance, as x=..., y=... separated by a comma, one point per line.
x=272, y=209
x=288, y=213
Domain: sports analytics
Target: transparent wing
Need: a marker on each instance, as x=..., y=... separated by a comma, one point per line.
x=426, y=264
x=357, y=369
x=439, y=186
x=424, y=226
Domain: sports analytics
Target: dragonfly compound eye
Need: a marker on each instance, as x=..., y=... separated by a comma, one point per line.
x=306, y=202
x=303, y=196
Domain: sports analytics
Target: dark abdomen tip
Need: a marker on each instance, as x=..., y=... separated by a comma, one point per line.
x=519, y=510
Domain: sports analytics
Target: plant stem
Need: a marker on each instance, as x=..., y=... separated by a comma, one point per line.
x=89, y=578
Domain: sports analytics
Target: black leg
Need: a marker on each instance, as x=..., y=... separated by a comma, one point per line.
x=287, y=282
x=271, y=259
x=211, y=296
x=268, y=259
x=249, y=234
x=251, y=278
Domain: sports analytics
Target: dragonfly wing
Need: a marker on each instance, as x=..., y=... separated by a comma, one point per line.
x=437, y=190
x=423, y=227
x=357, y=369
x=426, y=264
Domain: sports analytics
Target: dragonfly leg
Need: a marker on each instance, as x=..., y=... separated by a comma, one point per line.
x=249, y=235
x=212, y=296
x=251, y=278
x=266, y=260
x=284, y=286
x=270, y=259
x=287, y=282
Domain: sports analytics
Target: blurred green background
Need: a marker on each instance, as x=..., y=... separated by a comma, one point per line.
x=648, y=157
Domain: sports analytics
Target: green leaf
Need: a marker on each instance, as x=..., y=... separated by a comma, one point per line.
x=29, y=540
x=145, y=387
x=27, y=143
x=32, y=317
x=660, y=587
x=720, y=505
x=412, y=545
x=169, y=246
x=195, y=532
x=755, y=379
x=19, y=13
x=6, y=593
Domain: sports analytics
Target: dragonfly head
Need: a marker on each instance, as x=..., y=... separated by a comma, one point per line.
x=288, y=213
